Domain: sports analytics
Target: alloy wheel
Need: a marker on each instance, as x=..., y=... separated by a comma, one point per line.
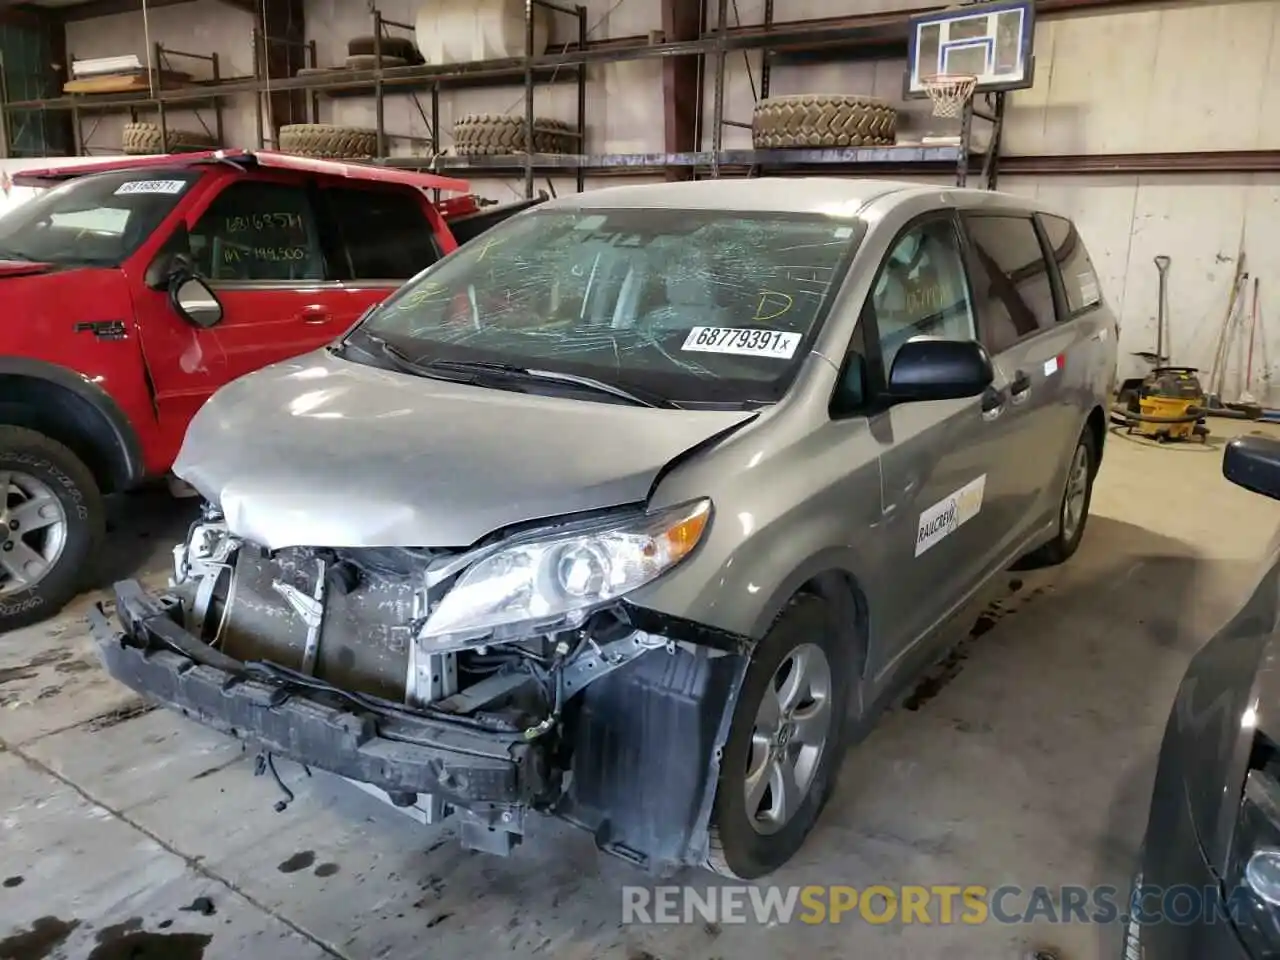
x=1073, y=504
x=33, y=531
x=790, y=733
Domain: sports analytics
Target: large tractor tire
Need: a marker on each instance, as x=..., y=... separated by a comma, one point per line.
x=489, y=134
x=52, y=522
x=817, y=120
x=146, y=138
x=367, y=61
x=400, y=48
x=327, y=142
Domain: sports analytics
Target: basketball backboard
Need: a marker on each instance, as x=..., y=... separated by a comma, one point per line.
x=990, y=41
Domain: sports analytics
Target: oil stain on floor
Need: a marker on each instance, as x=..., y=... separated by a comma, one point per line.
x=128, y=941
x=299, y=861
x=38, y=941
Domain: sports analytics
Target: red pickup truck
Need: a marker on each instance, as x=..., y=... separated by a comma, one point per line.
x=135, y=288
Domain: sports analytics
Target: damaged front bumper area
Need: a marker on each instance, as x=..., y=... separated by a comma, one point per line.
x=614, y=726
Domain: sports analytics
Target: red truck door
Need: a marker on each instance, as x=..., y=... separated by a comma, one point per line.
x=256, y=239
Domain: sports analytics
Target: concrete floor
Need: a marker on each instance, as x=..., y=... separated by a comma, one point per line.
x=1027, y=760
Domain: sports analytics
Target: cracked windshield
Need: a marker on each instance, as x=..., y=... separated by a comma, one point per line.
x=688, y=306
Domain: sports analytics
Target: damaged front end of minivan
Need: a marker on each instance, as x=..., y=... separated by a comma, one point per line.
x=479, y=684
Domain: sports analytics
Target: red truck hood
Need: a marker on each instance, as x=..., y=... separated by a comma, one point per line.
x=22, y=268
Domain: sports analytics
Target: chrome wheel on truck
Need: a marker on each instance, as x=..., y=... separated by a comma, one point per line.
x=51, y=522
x=33, y=531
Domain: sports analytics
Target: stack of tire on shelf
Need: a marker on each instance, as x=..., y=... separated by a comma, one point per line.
x=818, y=120
x=146, y=138
x=327, y=141
x=395, y=52
x=492, y=134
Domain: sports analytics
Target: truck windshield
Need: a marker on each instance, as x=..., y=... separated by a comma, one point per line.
x=96, y=220
x=695, y=306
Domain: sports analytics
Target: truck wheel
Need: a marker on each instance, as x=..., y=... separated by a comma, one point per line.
x=51, y=523
x=785, y=744
x=1073, y=509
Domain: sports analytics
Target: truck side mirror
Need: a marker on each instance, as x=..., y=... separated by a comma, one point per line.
x=195, y=302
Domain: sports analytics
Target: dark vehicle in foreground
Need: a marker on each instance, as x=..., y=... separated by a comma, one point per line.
x=632, y=509
x=1208, y=886
x=134, y=288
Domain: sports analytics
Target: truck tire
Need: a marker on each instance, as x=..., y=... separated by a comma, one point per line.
x=367, y=61
x=823, y=120
x=52, y=522
x=140, y=138
x=743, y=843
x=492, y=134
x=327, y=142
x=401, y=48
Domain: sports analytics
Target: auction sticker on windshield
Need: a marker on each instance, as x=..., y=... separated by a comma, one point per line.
x=150, y=186
x=750, y=342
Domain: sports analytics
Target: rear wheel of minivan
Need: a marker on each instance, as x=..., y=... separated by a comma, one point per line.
x=784, y=746
x=1073, y=508
x=51, y=522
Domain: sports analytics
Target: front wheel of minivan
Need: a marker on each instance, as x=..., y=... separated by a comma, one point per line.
x=1073, y=509
x=784, y=747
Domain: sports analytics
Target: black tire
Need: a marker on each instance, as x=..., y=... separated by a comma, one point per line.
x=367, y=61
x=327, y=142
x=1061, y=548
x=491, y=134
x=141, y=138
x=401, y=48
x=823, y=120
x=52, y=464
x=737, y=849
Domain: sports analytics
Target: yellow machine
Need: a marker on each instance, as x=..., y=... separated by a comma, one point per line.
x=1169, y=405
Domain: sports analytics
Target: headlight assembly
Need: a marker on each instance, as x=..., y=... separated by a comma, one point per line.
x=553, y=583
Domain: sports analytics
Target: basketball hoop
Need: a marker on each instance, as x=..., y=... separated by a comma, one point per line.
x=949, y=92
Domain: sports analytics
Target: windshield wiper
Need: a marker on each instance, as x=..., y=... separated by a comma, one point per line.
x=631, y=396
x=406, y=365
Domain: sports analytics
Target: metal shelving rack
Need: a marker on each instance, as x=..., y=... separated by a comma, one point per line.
x=198, y=97
x=867, y=36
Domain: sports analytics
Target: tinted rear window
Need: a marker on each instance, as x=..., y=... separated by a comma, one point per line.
x=1011, y=279
x=1079, y=279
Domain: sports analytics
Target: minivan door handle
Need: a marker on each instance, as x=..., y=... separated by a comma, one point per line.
x=1020, y=388
x=992, y=404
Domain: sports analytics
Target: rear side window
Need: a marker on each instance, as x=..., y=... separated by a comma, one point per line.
x=385, y=234
x=1079, y=279
x=1011, y=280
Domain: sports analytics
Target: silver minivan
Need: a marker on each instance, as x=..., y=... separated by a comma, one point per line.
x=636, y=510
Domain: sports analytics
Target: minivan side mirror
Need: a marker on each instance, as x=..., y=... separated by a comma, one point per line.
x=1254, y=463
x=195, y=302
x=929, y=369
